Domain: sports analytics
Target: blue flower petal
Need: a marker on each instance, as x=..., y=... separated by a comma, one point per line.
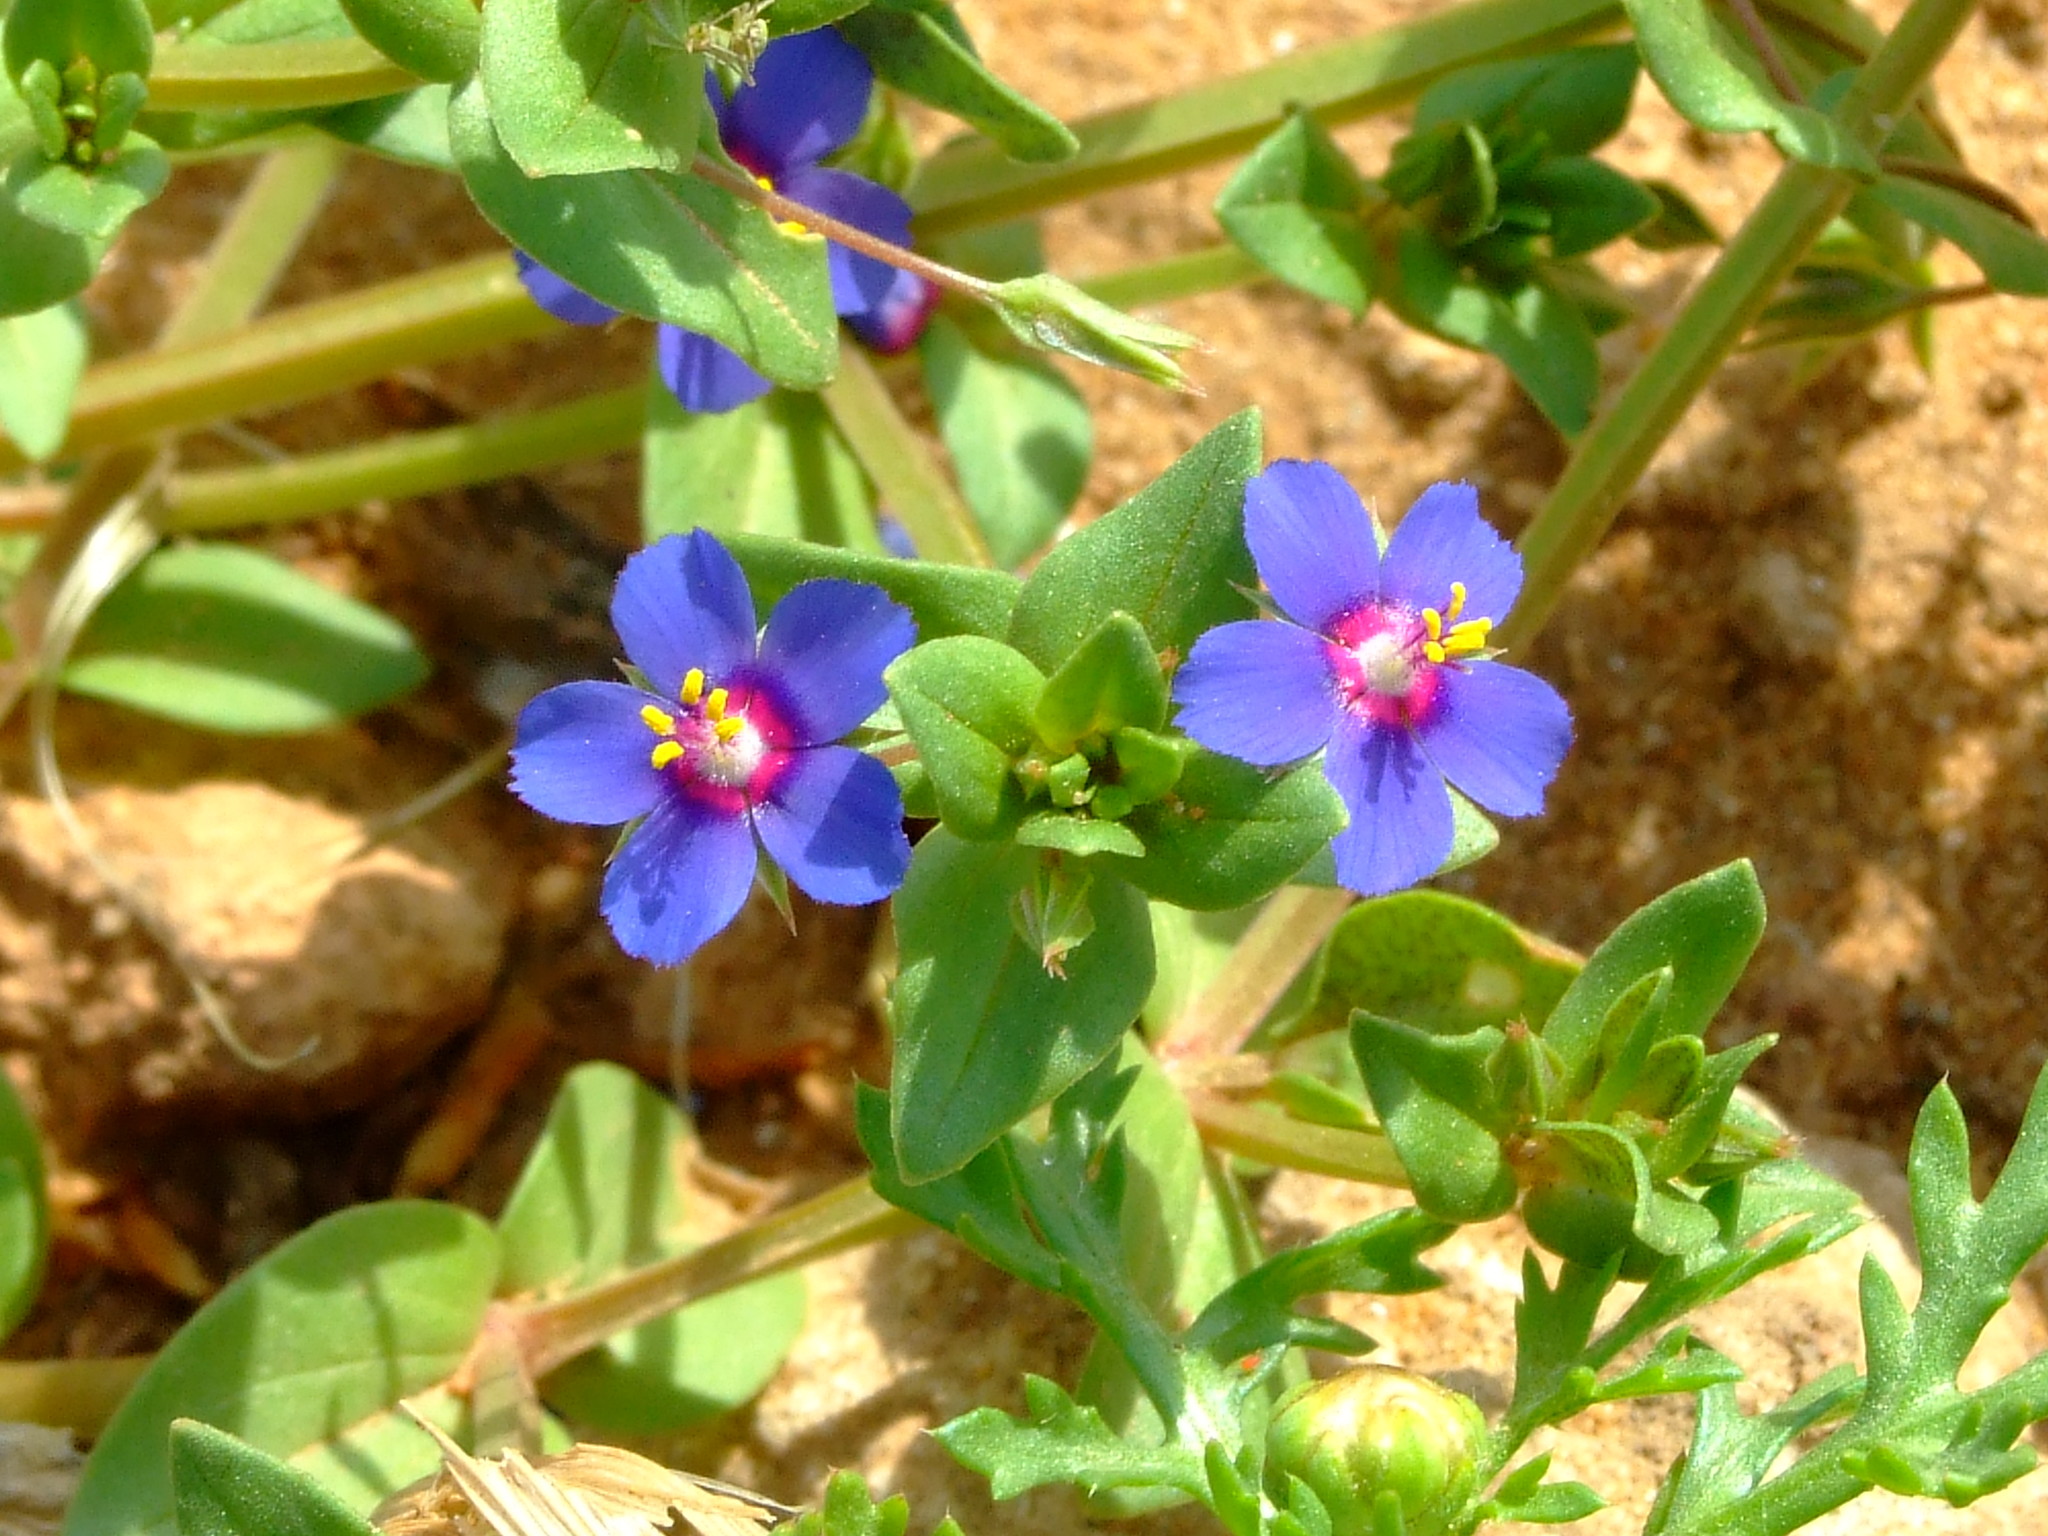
x=1312, y=541
x=809, y=95
x=898, y=317
x=682, y=877
x=683, y=602
x=834, y=822
x=1444, y=539
x=859, y=282
x=560, y=297
x=582, y=755
x=1400, y=810
x=823, y=652
x=1258, y=691
x=705, y=376
x=1498, y=735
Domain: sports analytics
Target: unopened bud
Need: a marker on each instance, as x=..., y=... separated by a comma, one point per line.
x=1374, y=1434
x=1050, y=312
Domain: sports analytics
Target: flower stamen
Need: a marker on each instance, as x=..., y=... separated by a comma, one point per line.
x=693, y=686
x=659, y=720
x=1460, y=638
x=665, y=752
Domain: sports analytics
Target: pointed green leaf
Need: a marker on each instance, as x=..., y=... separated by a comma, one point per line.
x=1298, y=207
x=42, y=356
x=1577, y=98
x=375, y=1303
x=2012, y=257
x=1228, y=833
x=1111, y=679
x=1590, y=203
x=116, y=35
x=1434, y=1097
x=1019, y=434
x=663, y=246
x=919, y=47
x=24, y=1211
x=226, y=1487
x=1678, y=223
x=1061, y=1441
x=945, y=599
x=984, y=1033
x=1171, y=556
x=1080, y=835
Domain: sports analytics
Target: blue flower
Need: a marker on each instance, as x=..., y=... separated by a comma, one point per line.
x=731, y=740
x=1385, y=664
x=808, y=97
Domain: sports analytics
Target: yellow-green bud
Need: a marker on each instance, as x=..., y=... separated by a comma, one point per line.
x=1375, y=1431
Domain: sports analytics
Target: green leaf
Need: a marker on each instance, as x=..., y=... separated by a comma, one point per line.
x=437, y=40
x=848, y=1509
x=2012, y=257
x=42, y=356
x=1577, y=98
x=225, y=1487
x=1082, y=836
x=1019, y=434
x=116, y=35
x=1061, y=1441
x=411, y=128
x=966, y=702
x=1111, y=679
x=1437, y=962
x=1588, y=1192
x=1297, y=206
x=984, y=1034
x=1172, y=557
x=666, y=247
x=230, y=639
x=946, y=599
x=1678, y=224
x=372, y=1304
x=95, y=203
x=577, y=86
x=775, y=466
x=1229, y=833
x=1704, y=930
x=1590, y=203
x=919, y=47
x=44, y=266
x=1433, y=1095
x=1716, y=83
x=24, y=1211
x=600, y=1194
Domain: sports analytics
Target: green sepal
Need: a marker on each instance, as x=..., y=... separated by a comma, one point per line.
x=1067, y=781
x=1588, y=1190
x=919, y=47
x=1695, y=1128
x=224, y=1486
x=1447, y=172
x=437, y=40
x=1435, y=1096
x=1173, y=557
x=966, y=702
x=1299, y=208
x=1081, y=836
x=1632, y=1027
x=1589, y=202
x=1229, y=833
x=1148, y=764
x=1678, y=223
x=122, y=98
x=42, y=92
x=1111, y=679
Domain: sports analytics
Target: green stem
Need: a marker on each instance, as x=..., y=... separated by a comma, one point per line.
x=1211, y=269
x=1283, y=938
x=970, y=181
x=907, y=478
x=412, y=464
x=1365, y=1157
x=303, y=352
x=850, y=1215
x=271, y=77
x=1618, y=446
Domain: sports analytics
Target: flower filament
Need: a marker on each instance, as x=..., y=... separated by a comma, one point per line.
x=1450, y=637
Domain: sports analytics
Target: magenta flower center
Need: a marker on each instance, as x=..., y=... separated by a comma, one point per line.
x=723, y=746
x=1387, y=657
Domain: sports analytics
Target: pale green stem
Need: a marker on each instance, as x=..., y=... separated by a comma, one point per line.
x=908, y=480
x=271, y=77
x=971, y=182
x=1616, y=449
x=1366, y=1157
x=1188, y=275
x=412, y=464
x=299, y=353
x=847, y=1216
x=1283, y=938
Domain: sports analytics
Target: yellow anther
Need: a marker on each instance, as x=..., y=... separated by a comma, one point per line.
x=1434, y=652
x=1457, y=600
x=725, y=730
x=693, y=685
x=659, y=720
x=1434, y=623
x=714, y=707
x=787, y=226
x=665, y=752
x=1467, y=638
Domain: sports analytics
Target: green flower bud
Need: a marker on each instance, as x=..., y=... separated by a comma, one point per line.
x=1051, y=313
x=1374, y=1432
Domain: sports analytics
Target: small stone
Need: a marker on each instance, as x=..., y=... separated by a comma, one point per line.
x=1788, y=611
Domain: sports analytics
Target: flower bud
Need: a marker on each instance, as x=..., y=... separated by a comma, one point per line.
x=1051, y=313
x=1375, y=1430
